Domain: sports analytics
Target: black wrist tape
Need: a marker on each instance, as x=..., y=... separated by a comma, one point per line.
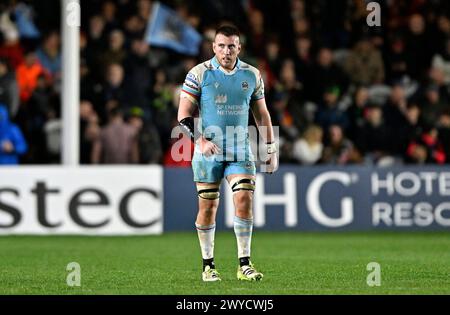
x=187, y=125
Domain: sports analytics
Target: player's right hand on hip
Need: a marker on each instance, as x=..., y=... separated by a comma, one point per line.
x=207, y=147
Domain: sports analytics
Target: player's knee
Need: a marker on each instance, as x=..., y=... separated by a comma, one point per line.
x=242, y=184
x=210, y=193
x=208, y=210
x=243, y=200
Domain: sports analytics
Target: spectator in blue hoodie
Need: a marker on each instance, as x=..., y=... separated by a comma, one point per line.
x=12, y=142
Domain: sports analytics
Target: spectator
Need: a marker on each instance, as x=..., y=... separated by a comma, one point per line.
x=89, y=131
x=49, y=54
x=364, y=65
x=443, y=126
x=163, y=110
x=408, y=131
x=273, y=61
x=150, y=150
x=53, y=129
x=38, y=110
x=340, y=150
x=117, y=142
x=27, y=75
x=109, y=15
x=116, y=53
x=138, y=77
x=372, y=139
x=309, y=148
x=90, y=88
x=134, y=28
x=303, y=57
x=282, y=116
x=329, y=112
x=12, y=142
x=395, y=107
x=96, y=44
x=113, y=89
x=417, y=39
x=9, y=91
x=432, y=106
x=437, y=77
x=256, y=36
x=442, y=62
x=10, y=48
x=324, y=74
x=427, y=148
x=144, y=9
x=396, y=60
x=356, y=111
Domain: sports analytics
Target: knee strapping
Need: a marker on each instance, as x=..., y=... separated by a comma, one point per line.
x=209, y=193
x=242, y=183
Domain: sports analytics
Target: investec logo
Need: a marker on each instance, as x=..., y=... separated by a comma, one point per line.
x=81, y=200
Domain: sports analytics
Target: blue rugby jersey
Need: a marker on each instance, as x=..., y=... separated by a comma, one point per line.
x=224, y=101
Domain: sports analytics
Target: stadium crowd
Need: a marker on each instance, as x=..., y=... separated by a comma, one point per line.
x=340, y=91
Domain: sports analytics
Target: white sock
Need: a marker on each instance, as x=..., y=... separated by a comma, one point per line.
x=243, y=229
x=206, y=237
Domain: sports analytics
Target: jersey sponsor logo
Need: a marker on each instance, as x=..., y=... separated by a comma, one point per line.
x=221, y=99
x=192, y=77
x=231, y=110
x=244, y=85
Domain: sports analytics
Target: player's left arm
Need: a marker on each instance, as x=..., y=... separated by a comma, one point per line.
x=264, y=124
x=263, y=120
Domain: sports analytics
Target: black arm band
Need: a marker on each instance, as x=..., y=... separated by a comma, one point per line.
x=187, y=125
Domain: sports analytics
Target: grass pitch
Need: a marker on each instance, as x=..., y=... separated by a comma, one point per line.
x=293, y=263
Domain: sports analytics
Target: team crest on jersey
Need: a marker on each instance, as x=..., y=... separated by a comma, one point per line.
x=244, y=85
x=221, y=99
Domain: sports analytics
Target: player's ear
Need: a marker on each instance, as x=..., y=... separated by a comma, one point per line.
x=214, y=46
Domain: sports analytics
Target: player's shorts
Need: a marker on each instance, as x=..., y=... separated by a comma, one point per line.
x=211, y=170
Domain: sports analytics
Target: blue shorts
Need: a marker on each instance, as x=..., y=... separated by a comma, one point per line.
x=209, y=170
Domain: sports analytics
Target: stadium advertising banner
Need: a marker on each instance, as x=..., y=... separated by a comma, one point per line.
x=85, y=200
x=326, y=198
x=149, y=200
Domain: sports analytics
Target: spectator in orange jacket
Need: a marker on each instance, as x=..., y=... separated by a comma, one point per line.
x=27, y=75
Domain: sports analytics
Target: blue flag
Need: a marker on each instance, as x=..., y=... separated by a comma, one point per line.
x=167, y=29
x=24, y=21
